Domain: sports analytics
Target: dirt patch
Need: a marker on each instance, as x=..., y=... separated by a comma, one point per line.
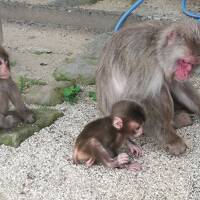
x=27, y=40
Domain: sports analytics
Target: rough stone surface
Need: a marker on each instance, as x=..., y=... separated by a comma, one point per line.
x=44, y=117
x=83, y=67
x=48, y=95
x=93, y=49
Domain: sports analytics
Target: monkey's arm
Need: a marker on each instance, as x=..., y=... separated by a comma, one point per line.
x=187, y=96
x=16, y=98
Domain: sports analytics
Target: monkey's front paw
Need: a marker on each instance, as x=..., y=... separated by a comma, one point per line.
x=134, y=166
x=135, y=150
x=123, y=158
x=177, y=147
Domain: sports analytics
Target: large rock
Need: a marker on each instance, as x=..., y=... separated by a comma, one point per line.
x=48, y=95
x=94, y=48
x=44, y=117
x=82, y=68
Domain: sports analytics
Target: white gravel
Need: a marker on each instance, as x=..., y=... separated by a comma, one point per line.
x=41, y=167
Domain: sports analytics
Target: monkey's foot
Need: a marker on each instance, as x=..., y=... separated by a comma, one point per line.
x=182, y=119
x=134, y=166
x=177, y=147
x=90, y=162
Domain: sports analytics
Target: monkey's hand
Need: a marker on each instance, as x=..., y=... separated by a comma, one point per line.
x=135, y=149
x=134, y=166
x=122, y=158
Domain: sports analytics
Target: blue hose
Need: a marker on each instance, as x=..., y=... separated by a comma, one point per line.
x=189, y=13
x=123, y=18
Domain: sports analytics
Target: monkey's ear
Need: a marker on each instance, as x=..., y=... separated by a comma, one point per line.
x=117, y=122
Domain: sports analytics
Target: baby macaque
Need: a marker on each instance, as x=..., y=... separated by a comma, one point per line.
x=9, y=92
x=100, y=139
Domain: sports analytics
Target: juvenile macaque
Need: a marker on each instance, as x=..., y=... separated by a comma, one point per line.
x=100, y=139
x=150, y=63
x=9, y=92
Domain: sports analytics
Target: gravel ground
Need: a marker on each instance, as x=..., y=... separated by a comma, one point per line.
x=41, y=167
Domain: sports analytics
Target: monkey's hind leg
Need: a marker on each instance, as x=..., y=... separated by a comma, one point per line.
x=182, y=116
x=182, y=119
x=80, y=155
x=173, y=143
x=7, y=119
x=104, y=157
x=7, y=122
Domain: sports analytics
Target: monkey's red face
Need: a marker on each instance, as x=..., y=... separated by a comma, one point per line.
x=4, y=69
x=184, y=68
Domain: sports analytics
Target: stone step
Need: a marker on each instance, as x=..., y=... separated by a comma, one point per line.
x=75, y=18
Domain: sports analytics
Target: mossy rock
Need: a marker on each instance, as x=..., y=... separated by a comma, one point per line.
x=79, y=70
x=47, y=95
x=82, y=68
x=44, y=117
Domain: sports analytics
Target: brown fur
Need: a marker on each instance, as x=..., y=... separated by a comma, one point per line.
x=100, y=139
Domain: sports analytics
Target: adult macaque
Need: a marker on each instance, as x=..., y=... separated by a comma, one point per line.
x=100, y=139
x=9, y=91
x=150, y=63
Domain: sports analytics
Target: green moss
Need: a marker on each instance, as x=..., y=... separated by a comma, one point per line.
x=80, y=79
x=24, y=83
x=69, y=60
x=58, y=97
x=44, y=117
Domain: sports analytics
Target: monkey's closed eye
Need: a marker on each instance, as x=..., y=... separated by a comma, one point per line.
x=137, y=128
